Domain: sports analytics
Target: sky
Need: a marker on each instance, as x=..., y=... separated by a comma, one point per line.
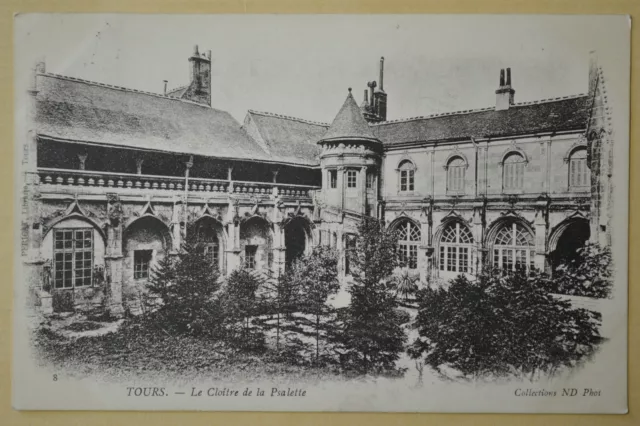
x=303, y=65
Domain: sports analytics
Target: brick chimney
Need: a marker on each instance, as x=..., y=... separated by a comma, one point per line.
x=504, y=94
x=380, y=97
x=199, y=89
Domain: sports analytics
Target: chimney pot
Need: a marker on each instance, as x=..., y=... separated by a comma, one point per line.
x=502, y=77
x=195, y=50
x=366, y=97
x=165, y=86
x=508, y=76
x=209, y=54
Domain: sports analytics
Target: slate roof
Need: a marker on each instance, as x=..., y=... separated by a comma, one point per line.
x=349, y=123
x=80, y=110
x=560, y=114
x=287, y=138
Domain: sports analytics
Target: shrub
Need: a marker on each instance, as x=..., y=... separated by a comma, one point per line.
x=589, y=274
x=501, y=325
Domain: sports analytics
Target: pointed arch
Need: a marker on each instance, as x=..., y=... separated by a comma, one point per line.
x=512, y=244
x=409, y=239
x=212, y=239
x=455, y=247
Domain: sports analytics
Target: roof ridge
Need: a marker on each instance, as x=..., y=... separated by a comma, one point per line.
x=475, y=110
x=288, y=117
x=125, y=89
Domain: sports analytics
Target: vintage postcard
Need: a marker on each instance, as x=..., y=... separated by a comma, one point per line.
x=420, y=213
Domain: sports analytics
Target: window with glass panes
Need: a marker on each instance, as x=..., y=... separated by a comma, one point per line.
x=73, y=257
x=250, y=257
x=455, y=174
x=407, y=176
x=513, y=248
x=513, y=172
x=455, y=249
x=333, y=179
x=578, y=170
x=351, y=178
x=408, y=240
x=142, y=263
x=212, y=252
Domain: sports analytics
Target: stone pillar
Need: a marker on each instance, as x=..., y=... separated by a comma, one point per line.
x=177, y=218
x=363, y=190
x=279, y=249
x=233, y=249
x=540, y=229
x=341, y=185
x=114, y=269
x=424, y=252
x=229, y=178
x=476, y=229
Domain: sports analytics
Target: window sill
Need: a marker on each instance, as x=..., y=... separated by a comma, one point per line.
x=455, y=193
x=407, y=193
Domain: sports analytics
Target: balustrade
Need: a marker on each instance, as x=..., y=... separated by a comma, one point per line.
x=86, y=178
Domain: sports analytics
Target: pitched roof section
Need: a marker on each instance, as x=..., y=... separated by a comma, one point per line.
x=79, y=110
x=289, y=139
x=349, y=123
x=562, y=114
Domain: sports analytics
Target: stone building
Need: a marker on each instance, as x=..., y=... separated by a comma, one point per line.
x=114, y=177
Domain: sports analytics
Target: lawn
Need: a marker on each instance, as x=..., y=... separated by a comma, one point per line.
x=141, y=349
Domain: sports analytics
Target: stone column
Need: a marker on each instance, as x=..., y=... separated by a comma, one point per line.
x=279, y=249
x=363, y=189
x=540, y=229
x=424, y=252
x=341, y=185
x=477, y=236
x=114, y=269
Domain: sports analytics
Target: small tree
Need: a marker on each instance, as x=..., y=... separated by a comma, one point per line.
x=372, y=334
x=186, y=286
x=316, y=276
x=500, y=325
x=240, y=304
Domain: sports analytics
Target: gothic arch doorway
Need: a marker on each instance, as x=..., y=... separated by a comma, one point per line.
x=295, y=240
x=570, y=238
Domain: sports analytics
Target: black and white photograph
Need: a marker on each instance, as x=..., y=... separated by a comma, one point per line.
x=408, y=213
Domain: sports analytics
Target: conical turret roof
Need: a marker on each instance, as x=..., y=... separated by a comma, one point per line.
x=349, y=124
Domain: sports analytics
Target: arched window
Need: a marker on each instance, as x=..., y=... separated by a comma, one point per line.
x=455, y=248
x=212, y=251
x=408, y=240
x=578, y=170
x=407, y=176
x=513, y=248
x=513, y=172
x=455, y=174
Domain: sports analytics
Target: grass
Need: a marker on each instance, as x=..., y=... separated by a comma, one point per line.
x=141, y=348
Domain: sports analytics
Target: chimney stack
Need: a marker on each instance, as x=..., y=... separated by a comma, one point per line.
x=504, y=94
x=381, y=73
x=199, y=89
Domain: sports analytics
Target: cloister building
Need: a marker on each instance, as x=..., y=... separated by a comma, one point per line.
x=114, y=177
